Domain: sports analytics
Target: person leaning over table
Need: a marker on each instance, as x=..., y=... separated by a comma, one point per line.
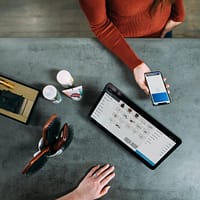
x=94, y=185
x=113, y=20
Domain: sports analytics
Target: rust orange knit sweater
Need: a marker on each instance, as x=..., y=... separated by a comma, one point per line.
x=112, y=20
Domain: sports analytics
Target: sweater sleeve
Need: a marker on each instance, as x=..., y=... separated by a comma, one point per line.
x=107, y=33
x=178, y=11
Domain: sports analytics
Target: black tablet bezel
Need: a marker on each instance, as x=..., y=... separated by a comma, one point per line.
x=116, y=93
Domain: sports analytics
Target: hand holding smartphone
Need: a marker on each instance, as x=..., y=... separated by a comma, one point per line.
x=158, y=91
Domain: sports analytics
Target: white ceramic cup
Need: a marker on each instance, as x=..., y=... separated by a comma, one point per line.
x=64, y=78
x=52, y=94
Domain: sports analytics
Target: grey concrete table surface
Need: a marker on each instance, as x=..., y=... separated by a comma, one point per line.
x=36, y=62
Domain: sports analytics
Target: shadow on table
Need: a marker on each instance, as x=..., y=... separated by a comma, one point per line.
x=90, y=96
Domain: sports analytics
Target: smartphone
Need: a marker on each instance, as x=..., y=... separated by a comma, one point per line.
x=158, y=91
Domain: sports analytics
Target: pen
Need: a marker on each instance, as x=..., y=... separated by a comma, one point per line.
x=6, y=84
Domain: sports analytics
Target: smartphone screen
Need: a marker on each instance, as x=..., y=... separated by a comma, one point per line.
x=156, y=85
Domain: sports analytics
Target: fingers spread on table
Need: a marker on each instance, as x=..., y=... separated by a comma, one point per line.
x=106, y=173
x=93, y=170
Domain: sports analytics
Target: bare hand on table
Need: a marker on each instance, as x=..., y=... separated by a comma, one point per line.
x=94, y=185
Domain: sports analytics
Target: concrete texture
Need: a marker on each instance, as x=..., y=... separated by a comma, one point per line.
x=36, y=62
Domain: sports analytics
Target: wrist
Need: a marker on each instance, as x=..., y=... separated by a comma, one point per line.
x=138, y=66
x=76, y=194
x=70, y=196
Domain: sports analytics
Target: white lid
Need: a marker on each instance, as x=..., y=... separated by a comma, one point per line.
x=64, y=77
x=49, y=92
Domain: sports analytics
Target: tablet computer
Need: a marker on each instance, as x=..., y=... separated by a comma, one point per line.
x=144, y=136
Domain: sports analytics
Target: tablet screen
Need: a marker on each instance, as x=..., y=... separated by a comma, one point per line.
x=133, y=127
